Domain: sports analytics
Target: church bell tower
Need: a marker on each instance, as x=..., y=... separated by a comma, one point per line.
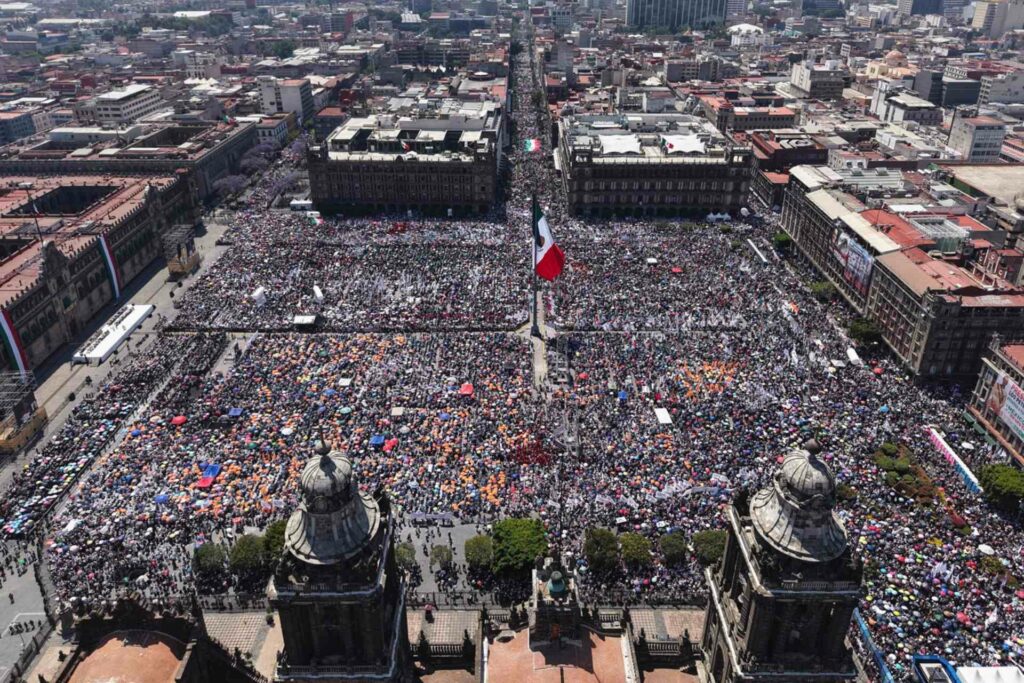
x=337, y=589
x=784, y=594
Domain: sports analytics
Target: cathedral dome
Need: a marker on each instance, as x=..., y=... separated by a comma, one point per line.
x=335, y=521
x=327, y=478
x=895, y=57
x=795, y=516
x=807, y=479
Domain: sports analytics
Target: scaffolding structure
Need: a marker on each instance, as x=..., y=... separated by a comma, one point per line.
x=21, y=418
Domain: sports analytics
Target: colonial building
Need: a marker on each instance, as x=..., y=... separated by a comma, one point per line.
x=936, y=285
x=997, y=403
x=651, y=165
x=209, y=151
x=783, y=597
x=69, y=245
x=446, y=164
x=337, y=589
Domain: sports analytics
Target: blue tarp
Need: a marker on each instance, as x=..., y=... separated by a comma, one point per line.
x=235, y=412
x=162, y=498
x=876, y=654
x=377, y=440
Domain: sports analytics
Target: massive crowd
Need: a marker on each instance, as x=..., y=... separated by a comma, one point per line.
x=691, y=320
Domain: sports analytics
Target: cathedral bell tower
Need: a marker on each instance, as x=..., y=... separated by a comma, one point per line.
x=337, y=589
x=784, y=594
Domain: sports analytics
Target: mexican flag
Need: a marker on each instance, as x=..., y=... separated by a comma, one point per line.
x=12, y=340
x=548, y=259
x=113, y=271
x=531, y=145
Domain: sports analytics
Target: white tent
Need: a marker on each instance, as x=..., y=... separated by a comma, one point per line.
x=683, y=144
x=990, y=674
x=620, y=144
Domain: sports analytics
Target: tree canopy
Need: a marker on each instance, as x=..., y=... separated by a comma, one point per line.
x=209, y=559
x=675, y=548
x=1004, y=486
x=247, y=555
x=864, y=331
x=518, y=542
x=601, y=548
x=636, y=550
x=709, y=546
x=405, y=555
x=479, y=552
x=441, y=555
x=273, y=540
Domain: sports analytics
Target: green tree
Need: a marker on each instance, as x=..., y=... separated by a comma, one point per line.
x=864, y=331
x=479, y=552
x=823, y=290
x=208, y=560
x=782, y=242
x=518, y=542
x=273, y=540
x=405, y=555
x=1004, y=486
x=601, y=548
x=247, y=555
x=845, y=491
x=674, y=548
x=283, y=49
x=441, y=555
x=636, y=550
x=709, y=546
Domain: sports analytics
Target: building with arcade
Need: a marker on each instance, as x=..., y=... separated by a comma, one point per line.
x=70, y=244
x=651, y=165
x=444, y=163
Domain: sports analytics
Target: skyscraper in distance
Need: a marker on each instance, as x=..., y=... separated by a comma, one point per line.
x=675, y=14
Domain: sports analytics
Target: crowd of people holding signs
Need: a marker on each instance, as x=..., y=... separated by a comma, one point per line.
x=696, y=361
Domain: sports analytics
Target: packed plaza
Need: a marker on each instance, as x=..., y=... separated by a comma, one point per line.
x=672, y=365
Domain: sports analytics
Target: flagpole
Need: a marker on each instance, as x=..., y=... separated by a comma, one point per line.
x=535, y=329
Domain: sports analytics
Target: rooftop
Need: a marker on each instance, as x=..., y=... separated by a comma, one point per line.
x=661, y=137
x=1001, y=181
x=1015, y=352
x=184, y=141
x=151, y=657
x=600, y=659
x=129, y=91
x=70, y=211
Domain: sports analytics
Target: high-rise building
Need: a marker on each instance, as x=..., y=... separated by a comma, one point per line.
x=279, y=96
x=953, y=10
x=674, y=14
x=128, y=105
x=736, y=8
x=1006, y=88
x=823, y=81
x=337, y=589
x=913, y=7
x=784, y=595
x=995, y=17
x=977, y=138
